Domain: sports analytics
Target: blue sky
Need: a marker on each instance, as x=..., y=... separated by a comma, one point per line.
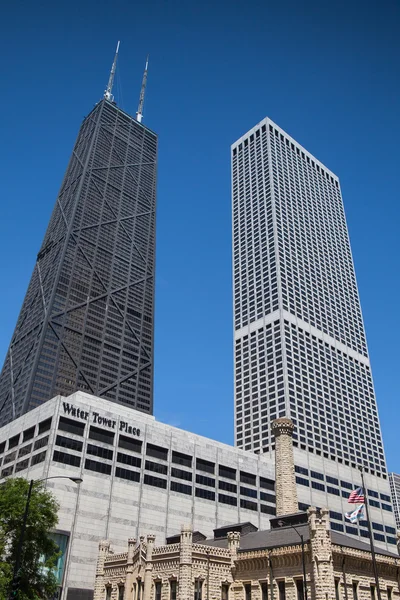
x=327, y=73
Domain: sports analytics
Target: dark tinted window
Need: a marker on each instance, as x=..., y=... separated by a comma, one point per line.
x=268, y=510
x=41, y=443
x=227, y=472
x=127, y=459
x=228, y=487
x=205, y=465
x=28, y=434
x=70, y=443
x=267, y=497
x=10, y=457
x=224, y=499
x=71, y=426
x=129, y=444
x=127, y=474
x=156, y=467
x=38, y=458
x=181, y=474
x=203, y=480
x=22, y=465
x=7, y=471
x=100, y=435
x=157, y=452
x=207, y=494
x=180, y=487
x=247, y=478
x=267, y=484
x=12, y=442
x=44, y=426
x=2, y=447
x=181, y=459
x=94, y=465
x=100, y=452
x=248, y=504
x=25, y=450
x=245, y=491
x=66, y=459
x=155, y=481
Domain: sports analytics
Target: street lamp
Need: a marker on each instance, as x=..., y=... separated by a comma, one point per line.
x=281, y=524
x=15, y=580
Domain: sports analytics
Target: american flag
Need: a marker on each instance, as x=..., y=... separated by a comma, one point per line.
x=357, y=496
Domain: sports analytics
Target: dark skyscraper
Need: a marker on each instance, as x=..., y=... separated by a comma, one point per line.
x=86, y=322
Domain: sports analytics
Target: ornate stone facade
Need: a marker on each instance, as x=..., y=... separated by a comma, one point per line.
x=246, y=564
x=207, y=571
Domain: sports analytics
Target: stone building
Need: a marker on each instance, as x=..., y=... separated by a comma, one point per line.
x=242, y=563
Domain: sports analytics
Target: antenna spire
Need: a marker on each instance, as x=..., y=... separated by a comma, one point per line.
x=108, y=93
x=139, y=114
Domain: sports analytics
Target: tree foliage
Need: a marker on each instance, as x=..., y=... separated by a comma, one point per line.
x=37, y=580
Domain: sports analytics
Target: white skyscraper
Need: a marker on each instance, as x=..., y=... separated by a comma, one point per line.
x=300, y=347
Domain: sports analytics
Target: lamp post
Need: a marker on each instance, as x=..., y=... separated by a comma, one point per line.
x=303, y=558
x=15, y=580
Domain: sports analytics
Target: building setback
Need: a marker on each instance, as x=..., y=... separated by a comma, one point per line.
x=144, y=477
x=86, y=322
x=394, y=481
x=300, y=347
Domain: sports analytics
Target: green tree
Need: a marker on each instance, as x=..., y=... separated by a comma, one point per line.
x=37, y=580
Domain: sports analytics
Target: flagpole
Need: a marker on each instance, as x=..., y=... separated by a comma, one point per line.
x=370, y=534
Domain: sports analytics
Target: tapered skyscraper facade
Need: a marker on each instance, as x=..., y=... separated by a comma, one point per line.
x=87, y=319
x=300, y=347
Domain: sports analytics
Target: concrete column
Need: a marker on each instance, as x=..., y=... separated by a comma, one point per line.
x=129, y=579
x=104, y=549
x=322, y=575
x=285, y=482
x=185, y=587
x=148, y=580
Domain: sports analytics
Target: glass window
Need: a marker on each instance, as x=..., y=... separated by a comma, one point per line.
x=300, y=589
x=355, y=590
x=107, y=437
x=227, y=472
x=198, y=589
x=337, y=589
x=44, y=425
x=173, y=590
x=71, y=426
x=157, y=452
x=264, y=591
x=225, y=591
x=129, y=444
x=28, y=434
x=100, y=452
x=121, y=592
x=205, y=465
x=66, y=442
x=181, y=459
x=247, y=591
x=12, y=442
x=108, y=592
x=67, y=459
x=372, y=590
x=282, y=590
x=98, y=467
x=157, y=590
